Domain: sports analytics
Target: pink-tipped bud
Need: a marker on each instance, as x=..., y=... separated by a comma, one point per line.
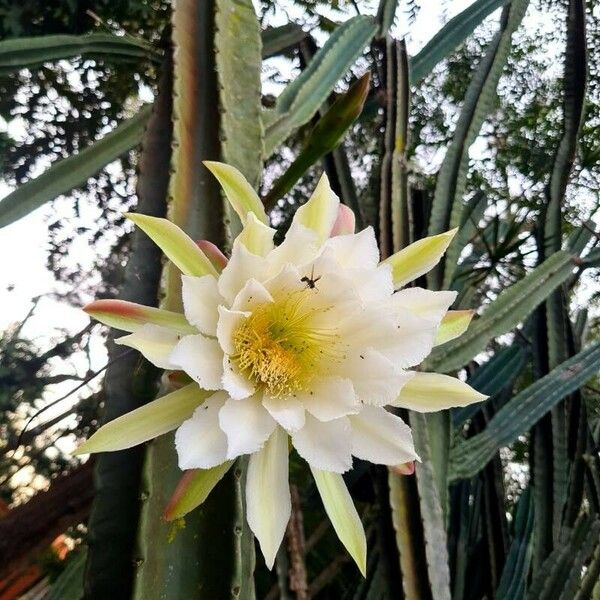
x=216, y=257
x=345, y=222
x=404, y=469
x=171, y=509
x=177, y=379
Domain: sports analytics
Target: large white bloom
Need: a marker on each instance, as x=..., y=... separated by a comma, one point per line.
x=308, y=341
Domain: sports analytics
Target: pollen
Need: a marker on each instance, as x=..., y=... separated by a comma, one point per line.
x=279, y=348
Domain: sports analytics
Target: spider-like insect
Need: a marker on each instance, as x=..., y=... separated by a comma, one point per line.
x=312, y=280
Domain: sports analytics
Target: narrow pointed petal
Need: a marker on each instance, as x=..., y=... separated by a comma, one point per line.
x=128, y=316
x=424, y=303
x=201, y=358
x=381, y=437
x=345, y=222
x=429, y=392
x=343, y=516
x=453, y=325
x=200, y=442
x=193, y=489
x=247, y=425
x=147, y=422
x=404, y=469
x=419, y=258
x=325, y=445
x=321, y=211
x=212, y=252
x=239, y=192
x=268, y=502
x=256, y=236
x=200, y=301
x=154, y=343
x=177, y=245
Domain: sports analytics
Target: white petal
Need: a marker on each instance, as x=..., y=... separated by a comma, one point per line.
x=381, y=437
x=246, y=424
x=268, y=503
x=424, y=303
x=330, y=398
x=229, y=321
x=320, y=212
x=375, y=378
x=428, y=392
x=287, y=280
x=201, y=358
x=236, y=384
x=200, y=300
x=325, y=446
x=200, y=442
x=373, y=285
x=256, y=236
x=242, y=265
x=358, y=250
x=154, y=342
x=251, y=295
x=298, y=248
x=287, y=411
x=400, y=335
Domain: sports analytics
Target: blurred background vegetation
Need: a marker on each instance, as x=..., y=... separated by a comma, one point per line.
x=505, y=126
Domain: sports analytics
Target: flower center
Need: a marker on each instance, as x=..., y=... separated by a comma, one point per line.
x=280, y=347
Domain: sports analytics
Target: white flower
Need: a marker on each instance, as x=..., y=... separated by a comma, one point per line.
x=310, y=340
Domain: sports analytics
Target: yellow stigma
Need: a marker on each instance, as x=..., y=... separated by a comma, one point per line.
x=278, y=346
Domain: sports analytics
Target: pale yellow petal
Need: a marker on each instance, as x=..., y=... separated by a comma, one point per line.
x=419, y=258
x=430, y=392
x=147, y=422
x=239, y=192
x=343, y=516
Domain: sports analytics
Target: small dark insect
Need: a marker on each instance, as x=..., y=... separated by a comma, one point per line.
x=312, y=280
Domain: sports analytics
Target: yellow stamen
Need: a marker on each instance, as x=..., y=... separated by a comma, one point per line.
x=279, y=347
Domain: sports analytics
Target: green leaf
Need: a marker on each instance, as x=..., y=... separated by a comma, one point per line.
x=560, y=574
x=448, y=201
x=323, y=139
x=429, y=484
x=454, y=33
x=342, y=514
x=491, y=378
x=303, y=97
x=511, y=307
x=147, y=422
x=69, y=584
x=193, y=489
x=26, y=52
x=516, y=569
x=276, y=40
x=518, y=415
x=68, y=173
x=386, y=14
x=238, y=57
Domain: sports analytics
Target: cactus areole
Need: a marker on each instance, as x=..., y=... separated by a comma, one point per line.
x=309, y=341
